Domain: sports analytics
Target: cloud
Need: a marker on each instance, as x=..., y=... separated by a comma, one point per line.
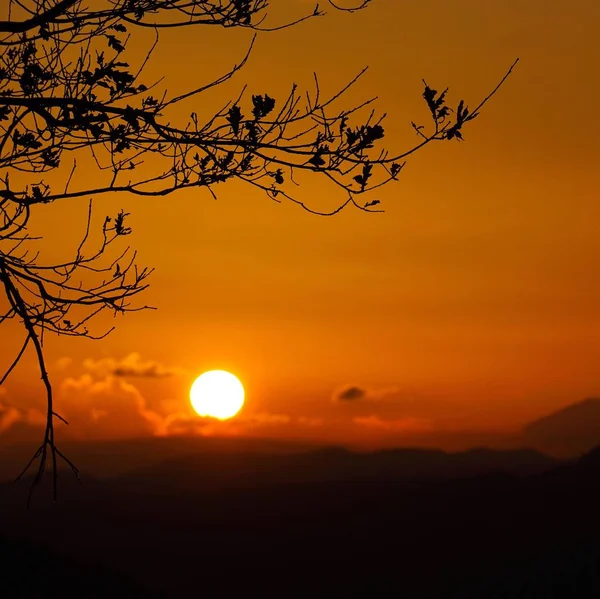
x=63, y=363
x=268, y=419
x=9, y=415
x=352, y=393
x=106, y=408
x=112, y=407
x=100, y=403
x=407, y=424
x=310, y=421
x=131, y=365
x=243, y=425
x=101, y=408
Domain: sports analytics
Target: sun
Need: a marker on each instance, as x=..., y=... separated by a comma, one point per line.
x=218, y=394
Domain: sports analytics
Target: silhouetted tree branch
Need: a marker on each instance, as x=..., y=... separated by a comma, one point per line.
x=68, y=94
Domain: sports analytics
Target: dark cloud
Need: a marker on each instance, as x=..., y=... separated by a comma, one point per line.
x=130, y=366
x=356, y=393
x=352, y=393
x=153, y=371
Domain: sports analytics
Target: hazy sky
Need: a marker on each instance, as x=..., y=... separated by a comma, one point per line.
x=473, y=302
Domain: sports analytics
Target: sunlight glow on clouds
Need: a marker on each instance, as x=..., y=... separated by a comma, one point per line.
x=407, y=424
x=131, y=365
x=118, y=398
x=106, y=407
x=8, y=416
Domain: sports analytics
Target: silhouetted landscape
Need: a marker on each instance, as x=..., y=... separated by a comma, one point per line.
x=247, y=517
x=294, y=296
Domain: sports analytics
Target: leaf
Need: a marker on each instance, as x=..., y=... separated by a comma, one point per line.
x=454, y=133
x=443, y=112
x=246, y=162
x=363, y=179
x=263, y=105
x=149, y=101
x=352, y=137
x=374, y=133
x=226, y=161
x=120, y=228
x=27, y=140
x=343, y=123
x=51, y=157
x=96, y=130
x=37, y=193
x=435, y=103
x=234, y=118
x=395, y=169
x=317, y=160
x=429, y=95
x=114, y=43
x=364, y=137
x=372, y=203
x=130, y=117
x=252, y=129
x=44, y=32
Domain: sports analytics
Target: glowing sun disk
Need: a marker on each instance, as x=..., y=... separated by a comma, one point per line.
x=217, y=394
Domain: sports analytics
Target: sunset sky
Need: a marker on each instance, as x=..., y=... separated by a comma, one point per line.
x=472, y=304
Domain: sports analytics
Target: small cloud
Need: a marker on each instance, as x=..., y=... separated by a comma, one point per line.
x=407, y=424
x=351, y=393
x=311, y=422
x=267, y=419
x=11, y=415
x=63, y=363
x=241, y=425
x=8, y=416
x=130, y=366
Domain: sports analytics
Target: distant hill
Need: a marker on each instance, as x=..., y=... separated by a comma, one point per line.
x=266, y=458
x=111, y=458
x=323, y=524
x=241, y=470
x=569, y=432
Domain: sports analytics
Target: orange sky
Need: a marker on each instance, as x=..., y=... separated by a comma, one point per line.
x=473, y=302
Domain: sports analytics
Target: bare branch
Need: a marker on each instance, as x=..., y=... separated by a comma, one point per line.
x=69, y=97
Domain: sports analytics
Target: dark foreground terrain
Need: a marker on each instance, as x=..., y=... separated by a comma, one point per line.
x=329, y=523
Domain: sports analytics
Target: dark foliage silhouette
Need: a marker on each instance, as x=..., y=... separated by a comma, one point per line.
x=70, y=99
